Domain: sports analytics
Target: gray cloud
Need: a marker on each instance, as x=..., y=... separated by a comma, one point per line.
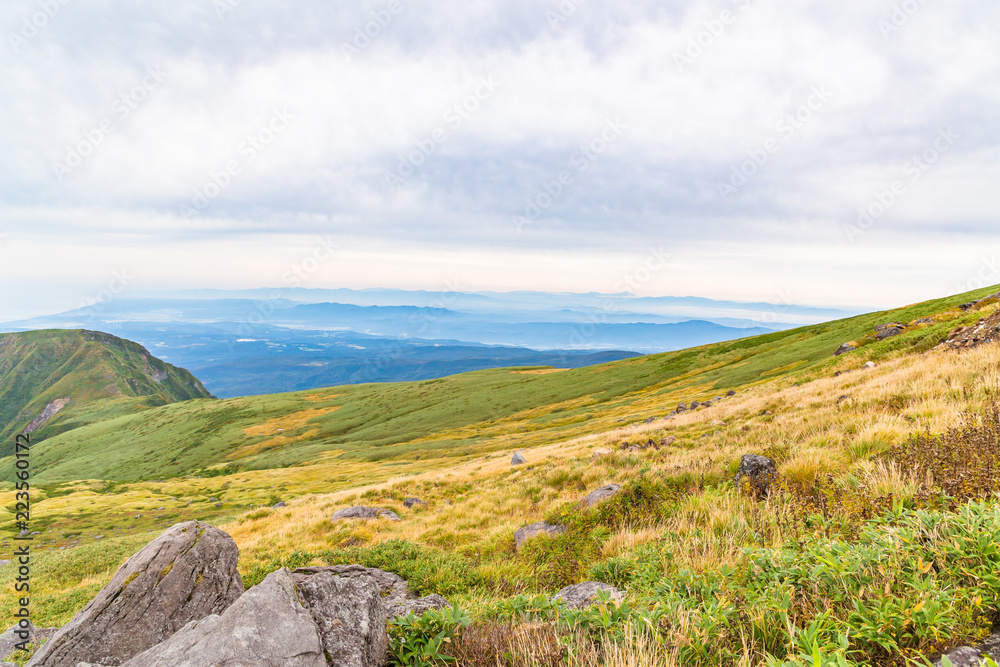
x=164, y=97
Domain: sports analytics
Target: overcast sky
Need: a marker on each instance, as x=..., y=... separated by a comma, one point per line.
x=488, y=144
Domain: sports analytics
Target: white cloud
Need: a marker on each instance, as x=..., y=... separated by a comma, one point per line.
x=354, y=119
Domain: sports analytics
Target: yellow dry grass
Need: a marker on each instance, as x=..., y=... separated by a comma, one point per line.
x=806, y=430
x=290, y=422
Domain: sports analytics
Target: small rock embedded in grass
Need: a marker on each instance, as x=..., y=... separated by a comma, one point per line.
x=410, y=502
x=522, y=535
x=518, y=459
x=581, y=596
x=364, y=513
x=600, y=494
x=757, y=473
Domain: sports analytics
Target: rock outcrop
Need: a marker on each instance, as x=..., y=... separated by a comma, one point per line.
x=845, y=348
x=350, y=615
x=269, y=626
x=186, y=574
x=394, y=592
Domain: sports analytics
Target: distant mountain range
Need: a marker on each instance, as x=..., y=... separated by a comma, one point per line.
x=271, y=340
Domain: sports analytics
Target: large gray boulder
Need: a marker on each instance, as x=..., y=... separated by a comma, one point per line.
x=756, y=473
x=518, y=459
x=269, y=626
x=534, y=530
x=600, y=494
x=186, y=574
x=350, y=615
x=395, y=593
x=581, y=596
x=365, y=513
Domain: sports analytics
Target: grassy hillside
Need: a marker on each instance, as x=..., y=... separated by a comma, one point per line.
x=878, y=545
x=459, y=415
x=54, y=381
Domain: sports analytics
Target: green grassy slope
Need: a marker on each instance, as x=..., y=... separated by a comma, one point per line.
x=102, y=377
x=456, y=415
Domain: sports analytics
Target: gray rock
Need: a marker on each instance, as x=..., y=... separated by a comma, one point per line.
x=393, y=589
x=669, y=441
x=844, y=349
x=365, y=513
x=350, y=614
x=870, y=365
x=419, y=607
x=269, y=626
x=600, y=494
x=518, y=459
x=581, y=596
x=888, y=331
x=186, y=574
x=279, y=505
x=964, y=656
x=695, y=404
x=410, y=502
x=534, y=530
x=681, y=407
x=757, y=472
x=16, y=634
x=730, y=393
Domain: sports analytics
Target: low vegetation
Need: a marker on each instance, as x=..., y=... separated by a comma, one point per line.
x=878, y=544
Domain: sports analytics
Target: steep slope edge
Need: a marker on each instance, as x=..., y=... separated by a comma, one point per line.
x=53, y=381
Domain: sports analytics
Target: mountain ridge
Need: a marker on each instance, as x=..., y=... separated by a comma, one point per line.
x=52, y=381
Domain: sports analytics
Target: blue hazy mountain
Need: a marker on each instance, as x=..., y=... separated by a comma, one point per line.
x=271, y=340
